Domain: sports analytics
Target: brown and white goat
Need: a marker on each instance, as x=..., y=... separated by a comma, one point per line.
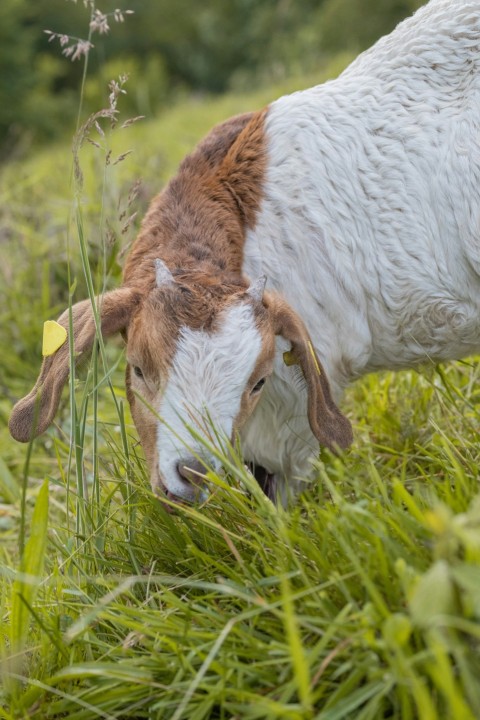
x=359, y=200
x=200, y=337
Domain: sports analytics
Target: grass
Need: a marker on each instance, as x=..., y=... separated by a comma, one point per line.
x=362, y=602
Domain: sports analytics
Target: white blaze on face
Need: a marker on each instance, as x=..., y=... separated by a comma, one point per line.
x=204, y=389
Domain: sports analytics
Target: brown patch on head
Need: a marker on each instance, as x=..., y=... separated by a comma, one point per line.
x=193, y=301
x=198, y=223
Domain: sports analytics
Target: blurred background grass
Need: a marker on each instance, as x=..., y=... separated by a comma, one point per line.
x=172, y=49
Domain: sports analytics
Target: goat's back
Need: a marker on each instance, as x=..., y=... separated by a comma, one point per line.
x=371, y=211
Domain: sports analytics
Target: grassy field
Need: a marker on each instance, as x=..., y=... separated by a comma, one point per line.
x=362, y=602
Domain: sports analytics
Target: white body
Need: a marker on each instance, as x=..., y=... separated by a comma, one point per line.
x=370, y=222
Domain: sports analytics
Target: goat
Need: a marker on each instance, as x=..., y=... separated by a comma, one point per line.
x=359, y=201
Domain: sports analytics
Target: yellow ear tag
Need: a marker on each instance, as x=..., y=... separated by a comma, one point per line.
x=289, y=358
x=54, y=335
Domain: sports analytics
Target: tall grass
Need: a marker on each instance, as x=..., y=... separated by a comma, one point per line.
x=360, y=602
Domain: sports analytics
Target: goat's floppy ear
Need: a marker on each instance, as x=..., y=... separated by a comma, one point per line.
x=329, y=426
x=34, y=413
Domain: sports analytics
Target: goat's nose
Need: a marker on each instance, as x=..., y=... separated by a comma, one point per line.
x=191, y=470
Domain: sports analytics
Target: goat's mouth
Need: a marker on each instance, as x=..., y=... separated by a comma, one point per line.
x=189, y=484
x=267, y=481
x=168, y=500
x=182, y=484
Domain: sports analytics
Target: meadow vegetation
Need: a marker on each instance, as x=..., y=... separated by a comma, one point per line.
x=361, y=602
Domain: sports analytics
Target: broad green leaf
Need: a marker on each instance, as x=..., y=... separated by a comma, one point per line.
x=29, y=577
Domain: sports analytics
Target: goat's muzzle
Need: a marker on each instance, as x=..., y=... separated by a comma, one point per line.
x=191, y=470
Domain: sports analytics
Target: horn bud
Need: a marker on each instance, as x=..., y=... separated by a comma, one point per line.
x=257, y=288
x=163, y=276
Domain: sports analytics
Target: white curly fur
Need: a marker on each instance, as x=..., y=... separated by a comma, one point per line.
x=370, y=222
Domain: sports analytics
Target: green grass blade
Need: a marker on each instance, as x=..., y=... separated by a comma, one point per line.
x=31, y=572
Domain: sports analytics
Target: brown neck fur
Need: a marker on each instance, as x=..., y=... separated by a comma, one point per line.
x=197, y=224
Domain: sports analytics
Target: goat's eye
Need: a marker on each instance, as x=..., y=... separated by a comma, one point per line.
x=258, y=386
x=138, y=371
